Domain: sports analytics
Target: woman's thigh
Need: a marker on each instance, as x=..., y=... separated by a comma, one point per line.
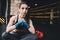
x=30, y=37
x=8, y=36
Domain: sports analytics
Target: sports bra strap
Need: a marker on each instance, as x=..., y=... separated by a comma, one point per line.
x=17, y=18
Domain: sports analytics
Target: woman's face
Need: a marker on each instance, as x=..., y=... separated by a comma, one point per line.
x=23, y=9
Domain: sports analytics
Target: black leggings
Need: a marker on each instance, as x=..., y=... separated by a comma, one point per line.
x=18, y=36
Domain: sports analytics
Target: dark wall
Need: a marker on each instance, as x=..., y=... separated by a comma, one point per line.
x=2, y=15
x=3, y=8
x=51, y=31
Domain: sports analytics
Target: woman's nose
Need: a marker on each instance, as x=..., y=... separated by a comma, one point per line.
x=24, y=10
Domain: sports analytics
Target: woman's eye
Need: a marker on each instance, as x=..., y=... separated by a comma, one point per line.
x=26, y=8
x=22, y=8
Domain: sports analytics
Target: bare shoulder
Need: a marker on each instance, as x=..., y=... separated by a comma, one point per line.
x=30, y=20
x=13, y=18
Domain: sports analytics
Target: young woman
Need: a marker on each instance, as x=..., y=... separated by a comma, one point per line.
x=21, y=26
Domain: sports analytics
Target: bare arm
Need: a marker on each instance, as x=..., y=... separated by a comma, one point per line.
x=10, y=25
x=31, y=29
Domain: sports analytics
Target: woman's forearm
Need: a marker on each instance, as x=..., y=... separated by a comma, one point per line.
x=8, y=29
x=32, y=30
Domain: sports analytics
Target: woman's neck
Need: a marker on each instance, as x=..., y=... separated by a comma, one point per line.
x=21, y=16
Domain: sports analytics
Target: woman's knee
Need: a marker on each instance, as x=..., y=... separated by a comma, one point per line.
x=30, y=37
x=5, y=35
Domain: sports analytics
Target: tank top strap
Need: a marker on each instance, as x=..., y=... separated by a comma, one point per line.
x=17, y=18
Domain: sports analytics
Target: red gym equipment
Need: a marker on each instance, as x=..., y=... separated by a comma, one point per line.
x=40, y=34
